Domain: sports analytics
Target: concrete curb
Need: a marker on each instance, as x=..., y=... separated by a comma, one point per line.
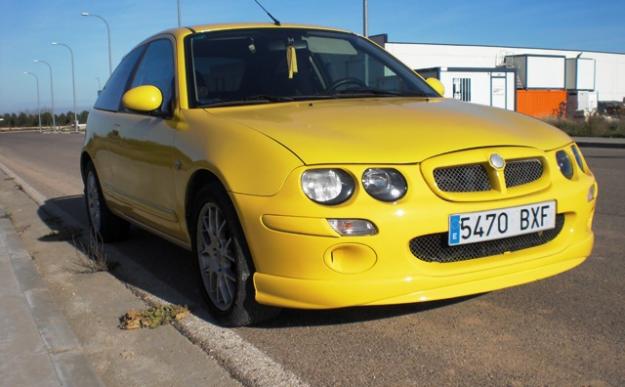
x=239, y=357
x=64, y=349
x=600, y=142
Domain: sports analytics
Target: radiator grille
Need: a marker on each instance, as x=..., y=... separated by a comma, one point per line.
x=462, y=178
x=434, y=247
x=475, y=178
x=519, y=172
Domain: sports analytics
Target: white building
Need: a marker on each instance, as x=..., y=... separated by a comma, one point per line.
x=485, y=86
x=609, y=67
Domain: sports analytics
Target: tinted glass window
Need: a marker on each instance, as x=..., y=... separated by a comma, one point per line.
x=157, y=69
x=111, y=95
x=273, y=65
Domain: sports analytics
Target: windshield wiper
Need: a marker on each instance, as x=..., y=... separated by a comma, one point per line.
x=251, y=100
x=373, y=92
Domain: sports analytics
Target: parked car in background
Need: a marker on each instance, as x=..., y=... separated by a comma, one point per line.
x=306, y=167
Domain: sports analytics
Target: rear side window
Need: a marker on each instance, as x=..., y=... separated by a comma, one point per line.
x=111, y=95
x=157, y=69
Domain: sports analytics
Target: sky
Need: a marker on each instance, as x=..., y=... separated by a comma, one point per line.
x=27, y=27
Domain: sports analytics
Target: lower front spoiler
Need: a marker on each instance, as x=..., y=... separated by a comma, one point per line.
x=354, y=291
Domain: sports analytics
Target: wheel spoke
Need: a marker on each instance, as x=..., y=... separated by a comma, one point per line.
x=229, y=277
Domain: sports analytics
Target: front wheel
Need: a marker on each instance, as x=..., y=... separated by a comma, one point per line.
x=223, y=261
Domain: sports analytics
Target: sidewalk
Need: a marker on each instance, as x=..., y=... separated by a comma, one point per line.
x=37, y=345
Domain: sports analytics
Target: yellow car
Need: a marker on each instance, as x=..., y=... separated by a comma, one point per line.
x=306, y=167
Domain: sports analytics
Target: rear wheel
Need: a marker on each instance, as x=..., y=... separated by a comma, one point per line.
x=223, y=261
x=102, y=222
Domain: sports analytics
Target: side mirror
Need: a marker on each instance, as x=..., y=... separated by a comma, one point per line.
x=145, y=99
x=436, y=85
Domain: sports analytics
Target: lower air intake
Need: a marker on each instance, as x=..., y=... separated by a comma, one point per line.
x=434, y=247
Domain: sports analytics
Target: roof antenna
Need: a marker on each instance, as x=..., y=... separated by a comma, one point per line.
x=275, y=21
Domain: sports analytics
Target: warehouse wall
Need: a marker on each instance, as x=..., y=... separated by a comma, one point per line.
x=610, y=82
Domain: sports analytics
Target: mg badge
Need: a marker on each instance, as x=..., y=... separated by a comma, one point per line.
x=496, y=161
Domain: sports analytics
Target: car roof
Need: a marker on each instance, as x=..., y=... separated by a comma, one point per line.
x=183, y=31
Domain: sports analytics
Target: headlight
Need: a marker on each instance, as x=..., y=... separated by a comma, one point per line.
x=578, y=157
x=327, y=186
x=564, y=162
x=384, y=184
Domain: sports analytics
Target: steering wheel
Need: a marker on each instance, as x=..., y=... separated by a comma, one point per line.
x=347, y=81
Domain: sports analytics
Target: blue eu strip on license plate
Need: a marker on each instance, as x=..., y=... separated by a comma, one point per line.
x=454, y=230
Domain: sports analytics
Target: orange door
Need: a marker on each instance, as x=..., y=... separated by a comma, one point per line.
x=541, y=103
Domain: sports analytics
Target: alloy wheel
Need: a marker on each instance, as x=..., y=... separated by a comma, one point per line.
x=216, y=256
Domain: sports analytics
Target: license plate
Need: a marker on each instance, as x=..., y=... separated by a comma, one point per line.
x=501, y=223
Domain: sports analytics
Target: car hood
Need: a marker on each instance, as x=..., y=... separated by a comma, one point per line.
x=389, y=130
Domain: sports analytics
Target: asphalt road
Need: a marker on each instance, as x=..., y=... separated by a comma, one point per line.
x=565, y=330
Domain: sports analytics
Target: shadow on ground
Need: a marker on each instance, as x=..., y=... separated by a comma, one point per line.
x=177, y=283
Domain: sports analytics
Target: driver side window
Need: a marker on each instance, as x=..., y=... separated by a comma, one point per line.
x=157, y=69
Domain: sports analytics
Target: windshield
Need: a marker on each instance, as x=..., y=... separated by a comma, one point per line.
x=278, y=65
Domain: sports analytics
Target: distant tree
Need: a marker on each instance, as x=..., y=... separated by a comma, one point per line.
x=61, y=119
x=22, y=120
x=5, y=120
x=46, y=119
x=82, y=117
x=70, y=117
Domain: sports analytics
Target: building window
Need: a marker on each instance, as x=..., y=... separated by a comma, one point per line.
x=462, y=89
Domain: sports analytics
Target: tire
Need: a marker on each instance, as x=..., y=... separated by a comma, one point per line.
x=224, y=265
x=102, y=222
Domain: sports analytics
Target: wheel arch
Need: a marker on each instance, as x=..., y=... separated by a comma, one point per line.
x=199, y=179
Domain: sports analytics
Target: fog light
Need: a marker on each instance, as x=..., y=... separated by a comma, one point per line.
x=591, y=193
x=353, y=227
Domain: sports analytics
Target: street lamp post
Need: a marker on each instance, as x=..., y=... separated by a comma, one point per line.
x=365, y=18
x=178, y=5
x=108, y=34
x=38, y=104
x=71, y=54
x=51, y=89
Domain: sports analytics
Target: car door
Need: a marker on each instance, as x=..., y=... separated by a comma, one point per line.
x=146, y=177
x=104, y=123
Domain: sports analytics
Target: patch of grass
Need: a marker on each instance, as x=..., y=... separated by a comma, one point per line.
x=94, y=259
x=153, y=317
x=593, y=126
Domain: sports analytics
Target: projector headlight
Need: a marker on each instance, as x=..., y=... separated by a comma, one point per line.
x=384, y=184
x=327, y=186
x=565, y=164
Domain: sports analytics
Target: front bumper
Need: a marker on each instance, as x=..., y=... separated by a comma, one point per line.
x=292, y=244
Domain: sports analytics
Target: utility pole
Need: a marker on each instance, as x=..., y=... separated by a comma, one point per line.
x=71, y=54
x=51, y=90
x=38, y=104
